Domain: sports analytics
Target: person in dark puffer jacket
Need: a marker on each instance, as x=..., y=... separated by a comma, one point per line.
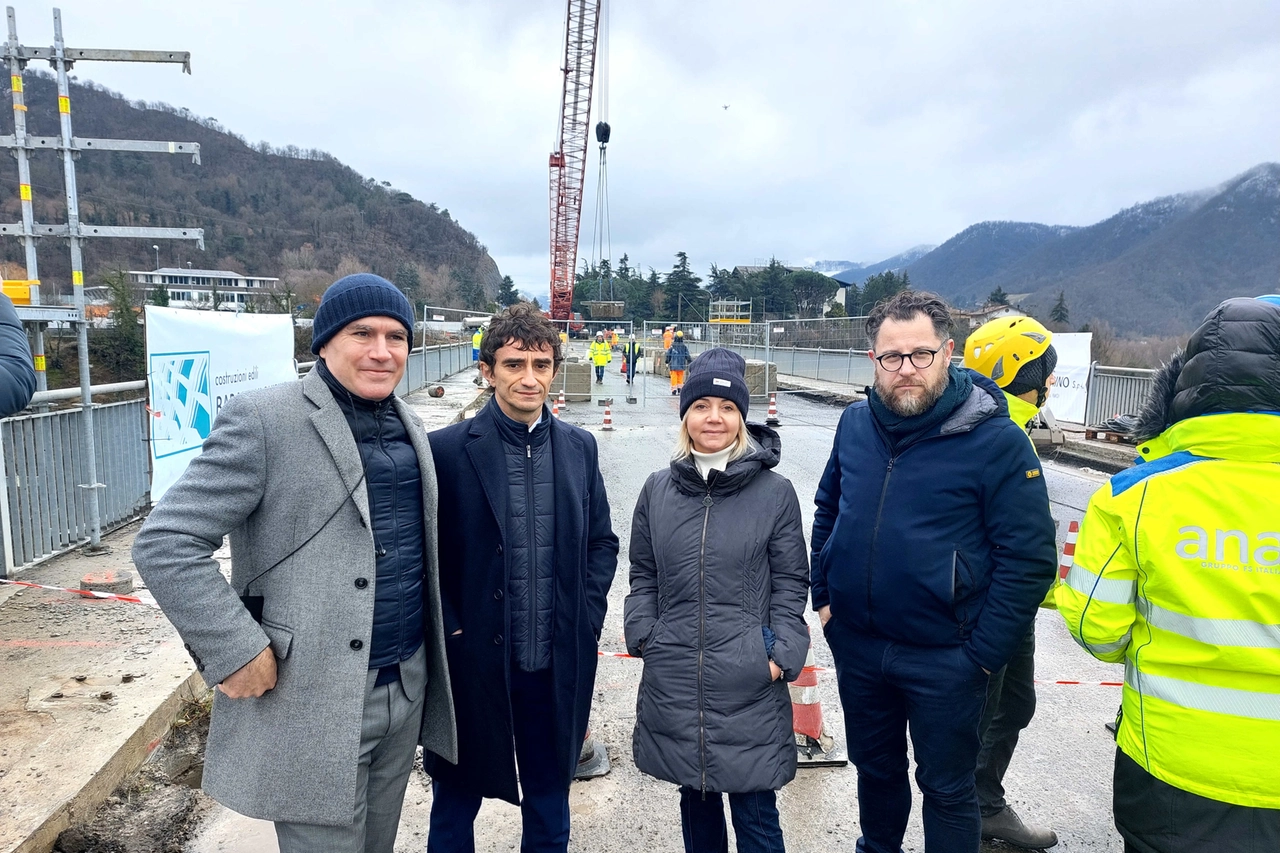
x=716, y=610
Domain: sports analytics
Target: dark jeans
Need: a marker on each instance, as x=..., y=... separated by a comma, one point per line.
x=1011, y=703
x=939, y=693
x=544, y=801
x=755, y=822
x=1155, y=817
x=599, y=372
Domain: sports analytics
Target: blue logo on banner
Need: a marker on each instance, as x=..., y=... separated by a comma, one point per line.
x=181, y=408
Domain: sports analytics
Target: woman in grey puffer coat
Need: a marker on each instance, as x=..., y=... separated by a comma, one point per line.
x=719, y=582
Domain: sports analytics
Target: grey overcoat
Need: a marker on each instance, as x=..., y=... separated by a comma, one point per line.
x=277, y=464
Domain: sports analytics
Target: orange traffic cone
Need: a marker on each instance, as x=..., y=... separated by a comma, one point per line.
x=1068, y=550
x=608, y=420
x=772, y=418
x=814, y=744
x=563, y=404
x=555, y=408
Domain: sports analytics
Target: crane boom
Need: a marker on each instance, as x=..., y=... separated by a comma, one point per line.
x=568, y=161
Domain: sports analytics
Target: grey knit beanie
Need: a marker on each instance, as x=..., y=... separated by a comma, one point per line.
x=352, y=297
x=717, y=372
x=1034, y=374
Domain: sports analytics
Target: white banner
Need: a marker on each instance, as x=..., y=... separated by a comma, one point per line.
x=1069, y=394
x=196, y=361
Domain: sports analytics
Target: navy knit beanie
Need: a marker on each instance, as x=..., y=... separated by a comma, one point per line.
x=717, y=372
x=352, y=297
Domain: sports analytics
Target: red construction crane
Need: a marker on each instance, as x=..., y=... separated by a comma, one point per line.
x=568, y=160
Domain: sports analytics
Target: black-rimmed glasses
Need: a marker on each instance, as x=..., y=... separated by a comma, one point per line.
x=920, y=359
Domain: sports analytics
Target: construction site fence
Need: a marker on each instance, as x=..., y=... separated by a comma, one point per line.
x=1116, y=391
x=42, y=496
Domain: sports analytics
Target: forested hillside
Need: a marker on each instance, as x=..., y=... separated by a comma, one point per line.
x=297, y=214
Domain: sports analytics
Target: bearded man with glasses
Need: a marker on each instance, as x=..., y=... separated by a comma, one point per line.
x=932, y=548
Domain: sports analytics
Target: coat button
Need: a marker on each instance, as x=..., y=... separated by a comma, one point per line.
x=361, y=583
x=497, y=639
x=497, y=595
x=499, y=549
x=357, y=645
x=200, y=667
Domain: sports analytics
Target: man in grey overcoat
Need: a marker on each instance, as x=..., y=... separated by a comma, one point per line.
x=327, y=646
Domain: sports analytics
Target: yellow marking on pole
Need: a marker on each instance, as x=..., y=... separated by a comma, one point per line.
x=17, y=82
x=39, y=362
x=77, y=278
x=64, y=104
x=24, y=192
x=19, y=107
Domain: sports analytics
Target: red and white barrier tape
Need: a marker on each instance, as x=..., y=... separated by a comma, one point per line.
x=87, y=593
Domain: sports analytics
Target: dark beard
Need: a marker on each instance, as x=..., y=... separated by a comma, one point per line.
x=909, y=407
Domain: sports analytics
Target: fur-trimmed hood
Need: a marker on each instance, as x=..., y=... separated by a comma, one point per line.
x=1230, y=364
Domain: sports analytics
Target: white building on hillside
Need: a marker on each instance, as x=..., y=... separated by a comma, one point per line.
x=190, y=288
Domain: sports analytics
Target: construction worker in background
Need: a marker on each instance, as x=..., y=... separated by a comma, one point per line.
x=475, y=353
x=601, y=355
x=1177, y=573
x=613, y=338
x=678, y=359
x=668, y=337
x=1017, y=354
x=631, y=355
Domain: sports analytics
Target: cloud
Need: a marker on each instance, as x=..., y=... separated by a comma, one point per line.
x=854, y=129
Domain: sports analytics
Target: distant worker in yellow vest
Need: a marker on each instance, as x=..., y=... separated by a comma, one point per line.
x=1177, y=574
x=601, y=355
x=475, y=353
x=1017, y=354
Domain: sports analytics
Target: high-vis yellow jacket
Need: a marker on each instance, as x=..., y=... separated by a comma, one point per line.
x=600, y=353
x=1177, y=573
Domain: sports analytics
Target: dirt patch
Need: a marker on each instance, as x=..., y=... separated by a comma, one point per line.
x=159, y=807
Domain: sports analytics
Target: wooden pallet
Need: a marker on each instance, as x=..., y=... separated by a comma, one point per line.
x=1108, y=435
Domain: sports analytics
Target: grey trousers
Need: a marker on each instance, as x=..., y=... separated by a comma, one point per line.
x=388, y=743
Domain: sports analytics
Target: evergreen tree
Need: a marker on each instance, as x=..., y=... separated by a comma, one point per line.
x=998, y=297
x=852, y=301
x=124, y=350
x=721, y=283
x=776, y=295
x=160, y=296
x=812, y=290
x=469, y=291
x=407, y=279
x=682, y=292
x=507, y=294
x=880, y=287
x=1060, y=313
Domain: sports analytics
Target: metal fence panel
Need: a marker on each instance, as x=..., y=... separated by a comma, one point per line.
x=1116, y=391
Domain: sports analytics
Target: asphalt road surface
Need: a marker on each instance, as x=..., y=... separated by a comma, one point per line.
x=1061, y=773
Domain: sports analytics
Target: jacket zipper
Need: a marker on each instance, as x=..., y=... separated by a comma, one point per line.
x=702, y=636
x=379, y=415
x=875, y=540
x=532, y=651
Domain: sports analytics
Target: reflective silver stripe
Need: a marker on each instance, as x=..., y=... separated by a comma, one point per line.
x=1106, y=648
x=1098, y=588
x=1215, y=632
x=1203, y=697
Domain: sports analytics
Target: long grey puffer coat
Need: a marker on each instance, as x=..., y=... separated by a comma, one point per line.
x=711, y=563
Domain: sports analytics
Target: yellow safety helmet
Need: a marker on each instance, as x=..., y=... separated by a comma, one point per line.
x=999, y=348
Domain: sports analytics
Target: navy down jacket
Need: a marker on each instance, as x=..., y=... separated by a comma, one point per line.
x=946, y=540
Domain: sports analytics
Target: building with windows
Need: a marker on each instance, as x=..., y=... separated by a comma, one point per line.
x=192, y=288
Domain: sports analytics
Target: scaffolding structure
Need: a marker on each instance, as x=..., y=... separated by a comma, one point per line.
x=21, y=144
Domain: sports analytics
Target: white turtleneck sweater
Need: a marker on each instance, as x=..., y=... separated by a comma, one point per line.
x=708, y=461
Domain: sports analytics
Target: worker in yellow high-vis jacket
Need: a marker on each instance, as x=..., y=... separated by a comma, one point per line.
x=1177, y=574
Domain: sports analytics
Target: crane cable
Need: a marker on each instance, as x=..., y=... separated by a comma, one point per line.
x=601, y=232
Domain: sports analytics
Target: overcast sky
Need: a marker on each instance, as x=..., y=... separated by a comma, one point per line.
x=855, y=130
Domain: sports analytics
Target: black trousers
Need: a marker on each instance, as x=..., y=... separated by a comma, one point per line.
x=1155, y=817
x=1011, y=703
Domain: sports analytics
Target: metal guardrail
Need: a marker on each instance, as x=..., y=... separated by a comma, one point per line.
x=42, y=506
x=1116, y=391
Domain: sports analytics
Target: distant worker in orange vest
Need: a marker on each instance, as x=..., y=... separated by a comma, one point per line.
x=667, y=337
x=678, y=359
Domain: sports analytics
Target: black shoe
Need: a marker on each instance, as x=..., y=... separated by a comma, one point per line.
x=1005, y=825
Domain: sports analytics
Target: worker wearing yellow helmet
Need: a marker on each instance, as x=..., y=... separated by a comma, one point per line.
x=1017, y=354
